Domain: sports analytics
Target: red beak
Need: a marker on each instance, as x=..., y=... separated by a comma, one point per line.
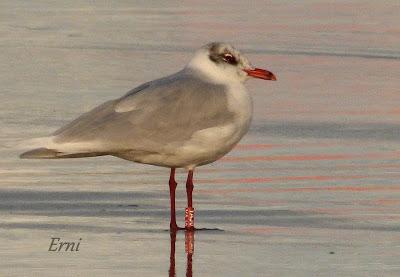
x=260, y=73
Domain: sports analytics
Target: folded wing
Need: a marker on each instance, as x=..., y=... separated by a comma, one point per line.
x=157, y=117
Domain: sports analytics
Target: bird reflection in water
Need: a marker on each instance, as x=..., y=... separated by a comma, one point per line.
x=189, y=249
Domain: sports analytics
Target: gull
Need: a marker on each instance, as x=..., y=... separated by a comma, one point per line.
x=185, y=120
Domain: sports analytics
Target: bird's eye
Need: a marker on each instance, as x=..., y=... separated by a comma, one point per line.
x=230, y=59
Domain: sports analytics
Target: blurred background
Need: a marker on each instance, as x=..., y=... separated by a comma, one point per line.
x=312, y=190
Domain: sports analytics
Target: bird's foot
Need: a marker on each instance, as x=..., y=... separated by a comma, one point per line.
x=190, y=229
x=174, y=227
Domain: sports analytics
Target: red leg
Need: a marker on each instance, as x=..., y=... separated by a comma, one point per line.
x=189, y=212
x=172, y=188
x=189, y=188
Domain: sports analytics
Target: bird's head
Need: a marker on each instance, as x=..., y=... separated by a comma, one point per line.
x=223, y=63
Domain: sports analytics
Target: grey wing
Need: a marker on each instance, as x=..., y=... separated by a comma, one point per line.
x=153, y=116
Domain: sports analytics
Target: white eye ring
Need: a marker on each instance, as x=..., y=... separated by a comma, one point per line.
x=229, y=58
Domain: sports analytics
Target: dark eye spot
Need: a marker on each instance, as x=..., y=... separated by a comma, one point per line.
x=230, y=59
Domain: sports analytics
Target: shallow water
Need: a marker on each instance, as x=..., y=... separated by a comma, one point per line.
x=312, y=190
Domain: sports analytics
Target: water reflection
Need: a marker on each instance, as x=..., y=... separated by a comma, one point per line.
x=189, y=249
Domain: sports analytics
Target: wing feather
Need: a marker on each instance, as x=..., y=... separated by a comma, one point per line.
x=152, y=117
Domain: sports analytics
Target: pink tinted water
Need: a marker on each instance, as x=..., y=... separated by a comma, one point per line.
x=312, y=190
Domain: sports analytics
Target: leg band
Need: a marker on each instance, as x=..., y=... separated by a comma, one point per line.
x=189, y=218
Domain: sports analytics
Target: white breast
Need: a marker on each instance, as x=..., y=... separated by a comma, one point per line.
x=240, y=102
x=210, y=144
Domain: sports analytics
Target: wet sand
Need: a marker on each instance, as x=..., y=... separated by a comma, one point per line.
x=312, y=190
